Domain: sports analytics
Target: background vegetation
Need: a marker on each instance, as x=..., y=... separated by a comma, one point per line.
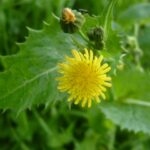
x=34, y=115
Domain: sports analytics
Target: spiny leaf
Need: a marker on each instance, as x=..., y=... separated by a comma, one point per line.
x=128, y=116
x=29, y=76
x=132, y=107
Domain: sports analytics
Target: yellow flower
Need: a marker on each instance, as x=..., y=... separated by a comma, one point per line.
x=84, y=77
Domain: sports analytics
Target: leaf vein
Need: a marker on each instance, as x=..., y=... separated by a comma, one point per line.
x=28, y=82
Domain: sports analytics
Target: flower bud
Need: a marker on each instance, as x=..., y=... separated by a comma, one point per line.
x=96, y=35
x=71, y=20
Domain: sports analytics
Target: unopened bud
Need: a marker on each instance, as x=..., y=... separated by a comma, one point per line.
x=71, y=20
x=96, y=35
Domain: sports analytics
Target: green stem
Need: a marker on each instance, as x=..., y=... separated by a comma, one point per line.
x=107, y=17
x=136, y=30
x=137, y=58
x=138, y=102
x=83, y=36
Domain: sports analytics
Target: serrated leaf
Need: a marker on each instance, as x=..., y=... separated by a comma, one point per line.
x=132, y=107
x=29, y=76
x=128, y=116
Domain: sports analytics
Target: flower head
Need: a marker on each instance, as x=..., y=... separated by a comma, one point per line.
x=68, y=15
x=84, y=77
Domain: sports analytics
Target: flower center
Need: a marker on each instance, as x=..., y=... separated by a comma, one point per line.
x=84, y=78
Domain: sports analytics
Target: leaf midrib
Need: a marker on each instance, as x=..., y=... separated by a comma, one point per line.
x=28, y=82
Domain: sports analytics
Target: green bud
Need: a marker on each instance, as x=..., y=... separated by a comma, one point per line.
x=96, y=35
x=71, y=20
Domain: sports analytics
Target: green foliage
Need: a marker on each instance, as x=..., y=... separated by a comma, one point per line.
x=29, y=74
x=132, y=111
x=136, y=13
x=131, y=84
x=128, y=116
x=144, y=38
x=28, y=71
